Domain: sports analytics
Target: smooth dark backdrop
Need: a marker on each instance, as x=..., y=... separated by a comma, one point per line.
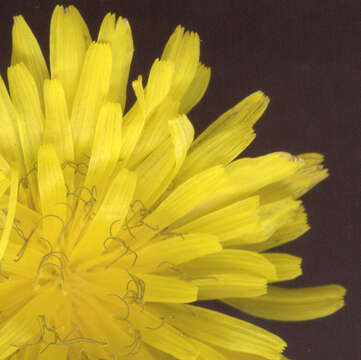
x=303, y=55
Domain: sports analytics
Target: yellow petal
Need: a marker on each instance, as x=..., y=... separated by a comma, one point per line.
x=92, y=92
x=167, y=289
x=197, y=89
x=19, y=291
x=25, y=97
x=52, y=192
x=294, y=304
x=172, y=252
x=113, y=208
x=309, y=173
x=26, y=50
x=182, y=134
x=118, y=34
x=221, y=330
x=280, y=231
x=57, y=128
x=9, y=138
x=4, y=183
x=159, y=83
x=69, y=40
x=154, y=173
x=231, y=261
x=246, y=177
x=54, y=353
x=158, y=333
x=27, y=316
x=11, y=209
x=106, y=147
x=179, y=202
x=155, y=131
x=183, y=50
x=228, y=223
x=223, y=286
x=134, y=122
x=227, y=137
x=287, y=266
x=158, y=170
x=207, y=352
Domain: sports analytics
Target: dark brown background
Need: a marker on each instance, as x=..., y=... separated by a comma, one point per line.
x=303, y=55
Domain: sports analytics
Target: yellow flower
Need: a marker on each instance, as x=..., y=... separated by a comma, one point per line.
x=112, y=223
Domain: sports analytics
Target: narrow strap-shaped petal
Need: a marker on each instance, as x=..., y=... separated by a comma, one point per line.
x=11, y=209
x=69, y=40
x=106, y=147
x=157, y=332
x=227, y=137
x=54, y=353
x=23, y=327
x=223, y=286
x=52, y=192
x=159, y=83
x=182, y=134
x=207, y=352
x=57, y=128
x=281, y=231
x=287, y=266
x=183, y=50
x=134, y=122
x=309, y=173
x=92, y=92
x=154, y=173
x=196, y=89
x=4, y=183
x=114, y=207
x=168, y=289
x=118, y=34
x=9, y=138
x=4, y=175
x=247, y=176
x=158, y=170
x=227, y=223
x=222, y=330
x=14, y=292
x=231, y=261
x=155, y=131
x=294, y=304
x=182, y=200
x=26, y=50
x=174, y=251
x=25, y=97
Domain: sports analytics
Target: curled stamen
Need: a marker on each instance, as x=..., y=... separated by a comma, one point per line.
x=65, y=227
x=126, y=249
x=21, y=252
x=125, y=303
x=4, y=276
x=135, y=295
x=169, y=234
x=88, y=204
x=25, y=179
x=75, y=166
x=174, y=268
x=56, y=266
x=136, y=345
x=111, y=233
x=163, y=322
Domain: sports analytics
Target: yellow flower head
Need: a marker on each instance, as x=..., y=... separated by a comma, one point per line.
x=113, y=222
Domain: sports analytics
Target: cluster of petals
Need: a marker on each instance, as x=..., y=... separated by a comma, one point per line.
x=113, y=223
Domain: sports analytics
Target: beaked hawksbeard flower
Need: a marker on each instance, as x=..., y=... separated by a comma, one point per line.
x=112, y=223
